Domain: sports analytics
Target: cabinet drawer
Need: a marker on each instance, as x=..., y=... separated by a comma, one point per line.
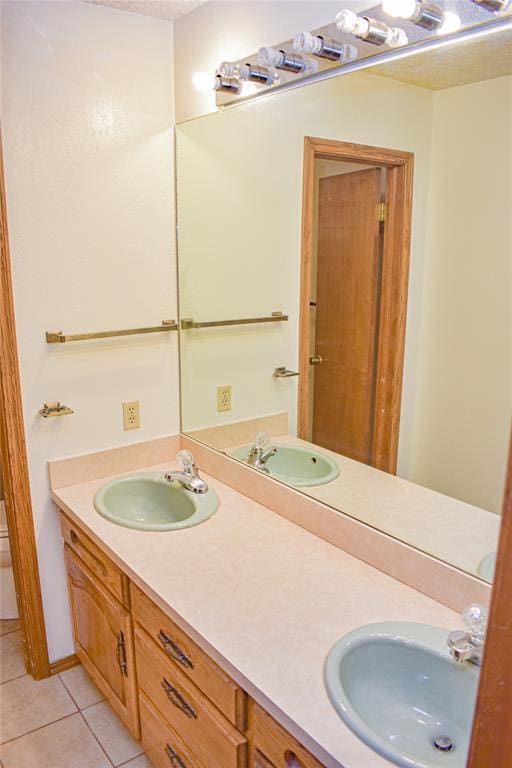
x=278, y=746
x=190, y=659
x=203, y=730
x=95, y=559
x=163, y=747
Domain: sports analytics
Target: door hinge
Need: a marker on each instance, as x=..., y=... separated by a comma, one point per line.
x=381, y=211
x=121, y=654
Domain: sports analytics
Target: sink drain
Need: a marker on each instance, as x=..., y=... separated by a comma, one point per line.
x=444, y=744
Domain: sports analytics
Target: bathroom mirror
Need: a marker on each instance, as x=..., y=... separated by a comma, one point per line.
x=358, y=232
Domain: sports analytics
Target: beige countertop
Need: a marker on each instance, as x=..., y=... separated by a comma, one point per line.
x=267, y=600
x=449, y=529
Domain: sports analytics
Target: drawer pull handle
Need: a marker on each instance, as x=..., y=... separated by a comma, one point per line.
x=175, y=761
x=121, y=654
x=177, y=699
x=174, y=651
x=77, y=543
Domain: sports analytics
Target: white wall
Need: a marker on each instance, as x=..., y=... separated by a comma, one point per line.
x=87, y=115
x=229, y=29
x=464, y=401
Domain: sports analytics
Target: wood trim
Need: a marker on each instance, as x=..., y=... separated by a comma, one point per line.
x=68, y=662
x=14, y=466
x=490, y=743
x=392, y=316
x=393, y=313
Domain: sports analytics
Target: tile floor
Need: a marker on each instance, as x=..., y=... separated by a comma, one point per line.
x=61, y=722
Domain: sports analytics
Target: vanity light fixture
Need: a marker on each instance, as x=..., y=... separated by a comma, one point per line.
x=370, y=30
x=252, y=72
x=227, y=84
x=324, y=47
x=271, y=57
x=424, y=14
x=493, y=5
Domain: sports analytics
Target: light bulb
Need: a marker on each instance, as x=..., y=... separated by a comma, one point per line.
x=203, y=81
x=399, y=9
x=228, y=69
x=370, y=30
x=451, y=23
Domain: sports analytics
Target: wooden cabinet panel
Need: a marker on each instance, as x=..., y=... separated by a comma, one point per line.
x=190, y=659
x=278, y=746
x=103, y=634
x=163, y=747
x=260, y=761
x=203, y=729
x=96, y=560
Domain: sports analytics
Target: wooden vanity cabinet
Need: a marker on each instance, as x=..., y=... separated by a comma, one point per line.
x=168, y=692
x=273, y=744
x=102, y=630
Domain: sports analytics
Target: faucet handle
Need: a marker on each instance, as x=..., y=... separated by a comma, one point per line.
x=261, y=440
x=186, y=459
x=475, y=619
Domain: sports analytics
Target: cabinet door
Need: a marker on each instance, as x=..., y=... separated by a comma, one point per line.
x=279, y=747
x=102, y=630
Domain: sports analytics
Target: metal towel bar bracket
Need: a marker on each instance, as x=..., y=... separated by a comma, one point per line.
x=276, y=317
x=57, y=337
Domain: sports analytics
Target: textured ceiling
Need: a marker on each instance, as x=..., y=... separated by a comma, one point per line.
x=160, y=9
x=483, y=58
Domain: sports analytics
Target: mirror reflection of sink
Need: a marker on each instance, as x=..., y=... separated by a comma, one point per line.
x=396, y=686
x=148, y=502
x=295, y=465
x=486, y=566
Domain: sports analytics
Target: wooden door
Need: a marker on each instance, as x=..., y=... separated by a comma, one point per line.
x=348, y=276
x=102, y=630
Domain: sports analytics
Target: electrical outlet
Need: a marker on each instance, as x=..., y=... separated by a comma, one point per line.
x=224, y=398
x=131, y=415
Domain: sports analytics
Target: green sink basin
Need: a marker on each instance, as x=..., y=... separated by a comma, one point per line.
x=396, y=686
x=295, y=465
x=148, y=502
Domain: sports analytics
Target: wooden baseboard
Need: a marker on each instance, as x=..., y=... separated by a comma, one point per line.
x=62, y=664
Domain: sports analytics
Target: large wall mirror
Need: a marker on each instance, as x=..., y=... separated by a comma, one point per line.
x=345, y=270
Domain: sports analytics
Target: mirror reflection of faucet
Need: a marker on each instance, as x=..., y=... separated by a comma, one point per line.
x=261, y=452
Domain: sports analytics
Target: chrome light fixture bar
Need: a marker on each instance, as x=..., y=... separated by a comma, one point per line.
x=348, y=44
x=325, y=48
x=370, y=30
x=290, y=62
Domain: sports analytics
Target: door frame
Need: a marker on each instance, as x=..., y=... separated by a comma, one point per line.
x=14, y=467
x=393, y=297
x=492, y=725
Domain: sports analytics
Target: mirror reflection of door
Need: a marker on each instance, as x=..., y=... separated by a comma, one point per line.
x=354, y=322
x=348, y=265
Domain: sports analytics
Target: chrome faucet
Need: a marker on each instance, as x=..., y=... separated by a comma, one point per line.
x=469, y=645
x=188, y=477
x=258, y=456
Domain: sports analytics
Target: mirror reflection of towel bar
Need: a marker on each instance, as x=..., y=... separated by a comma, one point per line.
x=275, y=317
x=282, y=372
